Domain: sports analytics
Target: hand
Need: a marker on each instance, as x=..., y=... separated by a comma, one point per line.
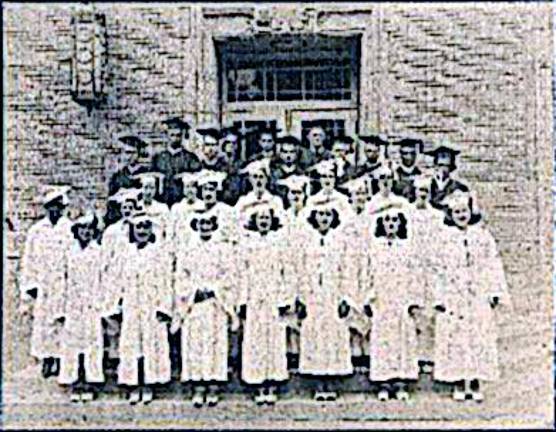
x=494, y=301
x=412, y=310
x=368, y=310
x=283, y=310
x=343, y=309
x=162, y=317
x=440, y=308
x=176, y=324
x=234, y=324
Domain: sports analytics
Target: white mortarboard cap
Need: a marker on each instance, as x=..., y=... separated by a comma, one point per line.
x=125, y=194
x=258, y=206
x=323, y=166
x=257, y=165
x=152, y=177
x=295, y=182
x=422, y=181
x=327, y=204
x=52, y=192
x=188, y=177
x=209, y=176
x=144, y=217
x=459, y=197
x=85, y=219
x=382, y=171
x=356, y=183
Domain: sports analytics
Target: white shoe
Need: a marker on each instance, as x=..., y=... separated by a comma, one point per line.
x=458, y=395
x=260, y=398
x=212, y=400
x=331, y=396
x=198, y=400
x=75, y=397
x=135, y=397
x=87, y=396
x=147, y=396
x=383, y=395
x=320, y=396
x=402, y=395
x=477, y=396
x=271, y=398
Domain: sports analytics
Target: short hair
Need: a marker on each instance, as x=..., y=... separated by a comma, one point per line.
x=312, y=219
x=93, y=224
x=380, y=231
x=152, y=237
x=275, y=225
x=195, y=222
x=476, y=217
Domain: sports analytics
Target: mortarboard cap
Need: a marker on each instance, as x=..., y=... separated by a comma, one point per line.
x=343, y=139
x=383, y=170
x=445, y=151
x=56, y=192
x=324, y=166
x=288, y=139
x=177, y=123
x=86, y=219
x=373, y=139
x=188, y=177
x=206, y=176
x=327, y=204
x=133, y=141
x=411, y=143
x=356, y=183
x=257, y=165
x=459, y=197
x=422, y=182
x=124, y=194
x=208, y=130
x=259, y=206
x=144, y=217
x=227, y=131
x=295, y=182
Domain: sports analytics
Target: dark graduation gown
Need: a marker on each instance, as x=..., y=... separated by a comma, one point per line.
x=403, y=184
x=233, y=184
x=369, y=169
x=308, y=158
x=438, y=194
x=171, y=164
x=278, y=171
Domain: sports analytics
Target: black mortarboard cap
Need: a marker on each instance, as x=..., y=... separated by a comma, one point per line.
x=177, y=123
x=373, y=139
x=288, y=139
x=413, y=143
x=210, y=132
x=133, y=141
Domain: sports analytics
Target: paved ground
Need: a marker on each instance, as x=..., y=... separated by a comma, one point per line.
x=36, y=403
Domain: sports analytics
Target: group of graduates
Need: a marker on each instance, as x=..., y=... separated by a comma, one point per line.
x=317, y=261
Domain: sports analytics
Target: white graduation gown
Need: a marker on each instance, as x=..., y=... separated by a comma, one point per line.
x=394, y=287
x=84, y=306
x=161, y=216
x=263, y=266
x=146, y=289
x=465, y=345
x=204, y=330
x=325, y=339
x=43, y=266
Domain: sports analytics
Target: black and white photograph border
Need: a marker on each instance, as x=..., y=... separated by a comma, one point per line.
x=183, y=131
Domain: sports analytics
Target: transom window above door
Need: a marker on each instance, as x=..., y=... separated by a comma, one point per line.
x=274, y=68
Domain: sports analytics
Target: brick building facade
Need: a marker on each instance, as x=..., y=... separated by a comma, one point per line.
x=478, y=75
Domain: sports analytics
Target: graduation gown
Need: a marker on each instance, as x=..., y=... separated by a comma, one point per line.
x=466, y=334
x=145, y=282
x=232, y=186
x=308, y=158
x=86, y=302
x=279, y=171
x=394, y=287
x=325, y=339
x=440, y=190
x=403, y=181
x=204, y=330
x=43, y=266
x=172, y=163
x=368, y=169
x=264, y=288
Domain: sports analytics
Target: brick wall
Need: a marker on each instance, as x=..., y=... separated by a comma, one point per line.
x=475, y=74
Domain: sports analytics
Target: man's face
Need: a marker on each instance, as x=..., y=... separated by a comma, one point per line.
x=372, y=151
x=210, y=147
x=258, y=180
x=316, y=137
x=391, y=224
x=175, y=136
x=189, y=192
x=461, y=214
x=263, y=220
x=229, y=144
x=324, y=219
x=385, y=182
x=142, y=231
x=327, y=180
x=85, y=233
x=266, y=142
x=341, y=150
x=127, y=209
x=408, y=156
x=55, y=210
x=149, y=191
x=443, y=167
x=359, y=198
x=288, y=153
x=208, y=193
x=296, y=197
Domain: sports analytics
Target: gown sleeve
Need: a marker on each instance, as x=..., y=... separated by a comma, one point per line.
x=494, y=274
x=29, y=279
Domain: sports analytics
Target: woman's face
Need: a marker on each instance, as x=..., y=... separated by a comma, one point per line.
x=149, y=191
x=127, y=209
x=391, y=225
x=359, y=197
x=327, y=180
x=263, y=220
x=142, y=231
x=208, y=193
x=189, y=192
x=422, y=194
x=461, y=214
x=296, y=197
x=258, y=180
x=324, y=219
x=385, y=182
x=85, y=233
x=371, y=151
